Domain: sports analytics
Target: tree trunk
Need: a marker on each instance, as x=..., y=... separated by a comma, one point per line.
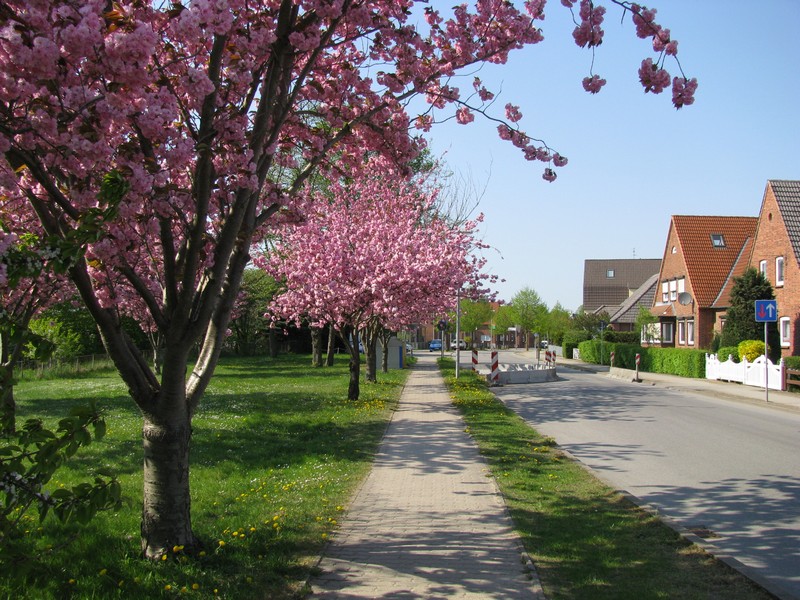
x=353, y=390
x=331, y=345
x=166, y=507
x=8, y=407
x=316, y=347
x=371, y=358
x=273, y=343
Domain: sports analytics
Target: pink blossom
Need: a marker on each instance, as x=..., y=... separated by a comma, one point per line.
x=593, y=84
x=683, y=91
x=549, y=175
x=559, y=161
x=653, y=78
x=464, y=115
x=512, y=113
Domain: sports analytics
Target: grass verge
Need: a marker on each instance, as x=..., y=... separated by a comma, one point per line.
x=277, y=451
x=586, y=540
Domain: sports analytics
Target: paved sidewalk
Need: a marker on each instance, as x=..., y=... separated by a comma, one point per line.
x=428, y=522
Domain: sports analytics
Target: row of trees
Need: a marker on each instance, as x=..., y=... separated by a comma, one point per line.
x=527, y=314
x=148, y=149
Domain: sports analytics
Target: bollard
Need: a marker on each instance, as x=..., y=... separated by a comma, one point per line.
x=612, y=359
x=474, y=360
x=638, y=358
x=495, y=376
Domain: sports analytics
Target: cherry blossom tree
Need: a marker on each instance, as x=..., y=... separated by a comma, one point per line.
x=214, y=114
x=370, y=254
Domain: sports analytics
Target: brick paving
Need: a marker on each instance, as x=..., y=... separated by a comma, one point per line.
x=428, y=522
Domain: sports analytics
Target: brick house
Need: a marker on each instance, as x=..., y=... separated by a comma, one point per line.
x=607, y=283
x=702, y=256
x=776, y=253
x=624, y=317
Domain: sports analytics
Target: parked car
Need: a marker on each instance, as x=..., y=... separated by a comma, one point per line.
x=462, y=345
x=544, y=344
x=409, y=348
x=435, y=345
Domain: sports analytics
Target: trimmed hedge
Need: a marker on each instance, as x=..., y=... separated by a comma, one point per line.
x=726, y=351
x=571, y=341
x=671, y=361
x=792, y=362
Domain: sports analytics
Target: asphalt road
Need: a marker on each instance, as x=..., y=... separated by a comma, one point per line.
x=726, y=470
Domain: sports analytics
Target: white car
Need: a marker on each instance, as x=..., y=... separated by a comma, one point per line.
x=462, y=345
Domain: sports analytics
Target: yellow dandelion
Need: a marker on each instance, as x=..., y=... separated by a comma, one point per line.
x=168, y=587
x=221, y=543
x=71, y=582
x=195, y=586
x=103, y=572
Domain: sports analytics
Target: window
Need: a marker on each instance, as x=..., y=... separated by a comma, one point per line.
x=665, y=292
x=717, y=240
x=681, y=332
x=667, y=332
x=610, y=273
x=673, y=290
x=785, y=328
x=681, y=285
x=690, y=333
x=779, y=271
x=762, y=268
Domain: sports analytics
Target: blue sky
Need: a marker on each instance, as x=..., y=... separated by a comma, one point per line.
x=633, y=159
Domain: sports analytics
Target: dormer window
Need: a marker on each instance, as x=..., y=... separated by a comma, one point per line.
x=610, y=273
x=717, y=240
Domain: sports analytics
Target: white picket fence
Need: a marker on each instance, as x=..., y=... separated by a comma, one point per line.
x=748, y=373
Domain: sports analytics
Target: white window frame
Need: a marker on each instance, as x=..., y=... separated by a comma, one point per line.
x=779, y=274
x=681, y=285
x=673, y=290
x=690, y=332
x=682, y=332
x=667, y=332
x=762, y=267
x=665, y=291
x=785, y=330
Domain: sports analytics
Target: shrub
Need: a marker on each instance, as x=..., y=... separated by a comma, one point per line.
x=571, y=341
x=792, y=362
x=725, y=351
x=751, y=349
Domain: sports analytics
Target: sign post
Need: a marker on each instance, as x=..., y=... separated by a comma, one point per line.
x=766, y=312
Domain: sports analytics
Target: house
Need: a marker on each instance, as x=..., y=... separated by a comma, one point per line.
x=607, y=283
x=776, y=253
x=624, y=317
x=701, y=257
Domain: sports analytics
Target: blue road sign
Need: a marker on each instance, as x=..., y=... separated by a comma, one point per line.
x=766, y=311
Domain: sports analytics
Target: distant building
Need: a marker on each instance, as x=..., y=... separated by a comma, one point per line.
x=608, y=283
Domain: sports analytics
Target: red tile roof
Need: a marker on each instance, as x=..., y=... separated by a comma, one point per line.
x=710, y=267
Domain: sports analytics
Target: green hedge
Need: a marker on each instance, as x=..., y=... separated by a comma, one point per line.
x=792, y=362
x=671, y=361
x=726, y=351
x=571, y=341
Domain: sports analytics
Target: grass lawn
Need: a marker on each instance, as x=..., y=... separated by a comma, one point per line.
x=586, y=540
x=277, y=451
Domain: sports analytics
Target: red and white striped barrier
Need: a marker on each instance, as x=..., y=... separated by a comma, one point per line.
x=495, y=368
x=612, y=358
x=475, y=360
